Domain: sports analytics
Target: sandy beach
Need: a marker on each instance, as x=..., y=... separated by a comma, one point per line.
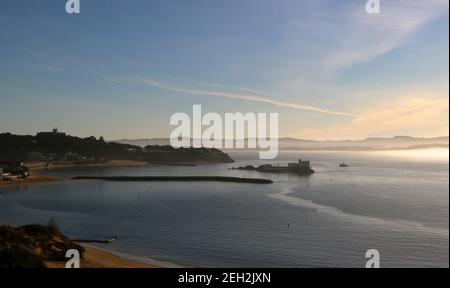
x=60, y=164
x=97, y=258
x=36, y=167
x=32, y=179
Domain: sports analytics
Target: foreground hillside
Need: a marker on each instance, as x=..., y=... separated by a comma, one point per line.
x=37, y=246
x=30, y=246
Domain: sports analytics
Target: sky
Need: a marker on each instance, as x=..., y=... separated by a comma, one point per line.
x=120, y=69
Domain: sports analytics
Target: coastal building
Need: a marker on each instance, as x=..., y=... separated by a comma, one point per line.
x=53, y=133
x=73, y=157
x=36, y=156
x=300, y=164
x=14, y=168
x=300, y=167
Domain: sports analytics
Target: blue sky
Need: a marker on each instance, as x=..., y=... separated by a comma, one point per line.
x=121, y=68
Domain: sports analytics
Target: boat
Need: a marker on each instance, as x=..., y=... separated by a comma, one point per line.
x=343, y=165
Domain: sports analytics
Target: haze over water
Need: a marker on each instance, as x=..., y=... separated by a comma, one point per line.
x=396, y=203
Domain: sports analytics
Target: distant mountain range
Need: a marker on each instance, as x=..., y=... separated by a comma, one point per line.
x=369, y=144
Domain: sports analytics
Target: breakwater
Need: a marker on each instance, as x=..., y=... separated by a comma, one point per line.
x=176, y=178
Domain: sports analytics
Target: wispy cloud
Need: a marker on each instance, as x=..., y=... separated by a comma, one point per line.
x=348, y=35
x=239, y=96
x=369, y=36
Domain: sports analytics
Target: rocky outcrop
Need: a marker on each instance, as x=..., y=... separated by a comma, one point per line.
x=29, y=246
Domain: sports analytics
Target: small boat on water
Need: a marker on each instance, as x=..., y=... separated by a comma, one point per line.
x=343, y=165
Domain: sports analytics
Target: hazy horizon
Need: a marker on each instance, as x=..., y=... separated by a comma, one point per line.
x=280, y=138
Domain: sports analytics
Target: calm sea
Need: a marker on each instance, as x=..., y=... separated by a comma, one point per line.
x=395, y=202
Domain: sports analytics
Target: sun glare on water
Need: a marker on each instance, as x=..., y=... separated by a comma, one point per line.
x=435, y=154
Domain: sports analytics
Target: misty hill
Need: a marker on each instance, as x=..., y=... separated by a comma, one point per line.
x=369, y=144
x=394, y=143
x=57, y=146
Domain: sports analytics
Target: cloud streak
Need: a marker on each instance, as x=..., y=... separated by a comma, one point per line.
x=349, y=36
x=240, y=96
x=369, y=36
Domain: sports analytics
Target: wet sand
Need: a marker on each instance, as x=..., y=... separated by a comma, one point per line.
x=59, y=164
x=36, y=167
x=96, y=258
x=32, y=179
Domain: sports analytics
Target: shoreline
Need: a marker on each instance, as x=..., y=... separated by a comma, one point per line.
x=33, y=179
x=138, y=260
x=36, y=166
x=95, y=258
x=37, y=178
